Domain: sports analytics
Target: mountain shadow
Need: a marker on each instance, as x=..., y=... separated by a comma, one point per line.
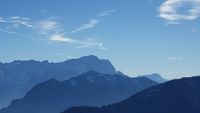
x=88, y=89
x=176, y=96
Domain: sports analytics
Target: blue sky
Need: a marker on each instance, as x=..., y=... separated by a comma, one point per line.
x=137, y=36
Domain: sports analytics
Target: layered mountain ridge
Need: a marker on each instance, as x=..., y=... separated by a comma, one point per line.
x=175, y=96
x=90, y=89
x=17, y=77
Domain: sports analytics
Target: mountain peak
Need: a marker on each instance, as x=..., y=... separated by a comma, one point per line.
x=90, y=57
x=93, y=63
x=155, y=77
x=21, y=61
x=24, y=74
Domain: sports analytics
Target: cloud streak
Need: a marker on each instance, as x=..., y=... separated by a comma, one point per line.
x=175, y=58
x=50, y=30
x=54, y=31
x=61, y=38
x=106, y=13
x=46, y=26
x=2, y=20
x=17, y=21
x=8, y=32
x=91, y=24
x=176, y=10
x=91, y=43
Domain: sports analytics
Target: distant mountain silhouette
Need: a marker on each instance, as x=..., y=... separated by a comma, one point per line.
x=17, y=77
x=88, y=89
x=155, y=77
x=176, y=96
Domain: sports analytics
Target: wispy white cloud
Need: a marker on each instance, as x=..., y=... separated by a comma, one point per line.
x=54, y=31
x=61, y=38
x=19, y=18
x=8, y=32
x=47, y=25
x=2, y=20
x=15, y=17
x=17, y=21
x=172, y=23
x=91, y=24
x=90, y=42
x=175, y=58
x=106, y=13
x=87, y=43
x=175, y=10
x=66, y=55
x=51, y=31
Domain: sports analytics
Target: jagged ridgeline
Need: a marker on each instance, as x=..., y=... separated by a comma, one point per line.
x=176, y=96
x=89, y=89
x=17, y=77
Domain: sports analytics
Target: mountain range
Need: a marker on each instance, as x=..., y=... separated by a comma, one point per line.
x=155, y=77
x=89, y=89
x=18, y=77
x=175, y=96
